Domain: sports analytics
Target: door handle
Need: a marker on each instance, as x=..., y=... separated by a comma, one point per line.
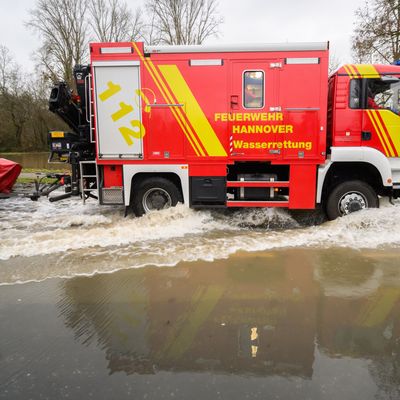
x=234, y=102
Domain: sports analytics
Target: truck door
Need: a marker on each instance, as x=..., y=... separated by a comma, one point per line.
x=119, y=129
x=303, y=99
x=381, y=120
x=253, y=114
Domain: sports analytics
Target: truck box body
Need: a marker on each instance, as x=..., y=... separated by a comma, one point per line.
x=211, y=107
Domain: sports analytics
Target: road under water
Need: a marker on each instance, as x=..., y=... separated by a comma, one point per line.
x=197, y=304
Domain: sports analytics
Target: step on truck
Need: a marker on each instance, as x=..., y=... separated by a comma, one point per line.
x=229, y=126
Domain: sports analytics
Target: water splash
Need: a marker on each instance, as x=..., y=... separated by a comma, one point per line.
x=40, y=240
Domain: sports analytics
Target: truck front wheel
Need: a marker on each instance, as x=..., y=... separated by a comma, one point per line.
x=349, y=197
x=154, y=194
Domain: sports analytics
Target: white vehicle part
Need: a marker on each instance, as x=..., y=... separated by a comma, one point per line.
x=395, y=166
x=181, y=170
x=357, y=154
x=118, y=111
x=229, y=48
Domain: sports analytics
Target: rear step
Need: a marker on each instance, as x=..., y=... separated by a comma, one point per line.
x=89, y=180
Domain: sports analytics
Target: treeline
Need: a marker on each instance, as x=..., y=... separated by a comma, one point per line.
x=24, y=116
x=65, y=28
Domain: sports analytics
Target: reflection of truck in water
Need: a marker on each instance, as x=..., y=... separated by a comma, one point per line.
x=229, y=126
x=265, y=317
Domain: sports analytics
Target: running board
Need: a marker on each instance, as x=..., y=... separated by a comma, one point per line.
x=253, y=184
x=257, y=204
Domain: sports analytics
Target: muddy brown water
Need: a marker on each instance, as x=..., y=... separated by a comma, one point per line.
x=34, y=160
x=197, y=305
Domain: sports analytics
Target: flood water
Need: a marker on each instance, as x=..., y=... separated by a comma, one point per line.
x=197, y=304
x=34, y=160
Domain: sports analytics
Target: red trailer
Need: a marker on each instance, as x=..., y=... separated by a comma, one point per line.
x=230, y=126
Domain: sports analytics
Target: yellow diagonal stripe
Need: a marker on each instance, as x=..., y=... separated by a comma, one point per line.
x=346, y=68
x=378, y=131
x=203, y=303
x=177, y=112
x=383, y=132
x=378, y=309
x=367, y=70
x=392, y=123
x=150, y=68
x=174, y=112
x=353, y=71
x=194, y=113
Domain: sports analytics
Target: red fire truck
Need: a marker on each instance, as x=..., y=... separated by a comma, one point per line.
x=229, y=126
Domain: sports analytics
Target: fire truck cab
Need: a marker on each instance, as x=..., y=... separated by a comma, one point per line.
x=230, y=126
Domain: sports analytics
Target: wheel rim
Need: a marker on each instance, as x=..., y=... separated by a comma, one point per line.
x=351, y=202
x=156, y=199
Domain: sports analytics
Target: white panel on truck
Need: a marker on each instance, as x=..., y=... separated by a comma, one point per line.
x=119, y=126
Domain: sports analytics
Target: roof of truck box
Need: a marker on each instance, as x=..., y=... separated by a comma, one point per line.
x=233, y=48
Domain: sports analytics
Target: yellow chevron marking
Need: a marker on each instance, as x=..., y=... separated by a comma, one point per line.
x=193, y=142
x=361, y=71
x=377, y=310
x=383, y=132
x=372, y=119
x=392, y=123
x=194, y=112
x=353, y=71
x=190, y=134
x=367, y=70
x=184, y=331
x=346, y=68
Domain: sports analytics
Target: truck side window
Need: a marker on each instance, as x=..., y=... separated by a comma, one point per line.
x=355, y=93
x=253, y=89
x=384, y=94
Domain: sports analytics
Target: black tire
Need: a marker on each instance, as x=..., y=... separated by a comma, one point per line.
x=348, y=197
x=154, y=194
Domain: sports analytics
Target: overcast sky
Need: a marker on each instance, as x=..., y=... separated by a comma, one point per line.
x=244, y=21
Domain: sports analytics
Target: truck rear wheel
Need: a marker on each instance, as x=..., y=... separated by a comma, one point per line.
x=349, y=197
x=154, y=194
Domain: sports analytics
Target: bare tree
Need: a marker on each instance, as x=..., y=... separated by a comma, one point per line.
x=376, y=36
x=183, y=21
x=334, y=63
x=113, y=21
x=62, y=26
x=25, y=119
x=13, y=93
x=66, y=26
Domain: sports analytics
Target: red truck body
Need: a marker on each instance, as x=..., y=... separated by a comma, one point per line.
x=240, y=126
